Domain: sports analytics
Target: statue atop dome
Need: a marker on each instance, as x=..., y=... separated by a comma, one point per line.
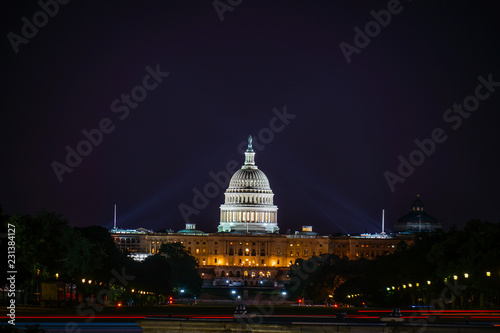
x=249, y=144
x=249, y=155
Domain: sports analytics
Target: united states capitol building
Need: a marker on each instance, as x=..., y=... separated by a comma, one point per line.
x=247, y=249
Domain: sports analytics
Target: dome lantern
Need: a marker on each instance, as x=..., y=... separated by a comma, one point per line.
x=249, y=154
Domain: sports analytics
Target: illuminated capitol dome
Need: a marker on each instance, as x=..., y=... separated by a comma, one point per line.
x=248, y=205
x=247, y=250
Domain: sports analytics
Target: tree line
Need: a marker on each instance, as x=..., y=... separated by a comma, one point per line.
x=457, y=269
x=49, y=250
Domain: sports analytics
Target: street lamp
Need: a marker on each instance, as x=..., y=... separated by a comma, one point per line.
x=466, y=275
x=455, y=277
x=488, y=274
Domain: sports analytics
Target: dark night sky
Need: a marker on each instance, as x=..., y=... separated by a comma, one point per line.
x=326, y=167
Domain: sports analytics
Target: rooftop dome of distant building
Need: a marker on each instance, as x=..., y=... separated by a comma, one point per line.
x=417, y=220
x=417, y=213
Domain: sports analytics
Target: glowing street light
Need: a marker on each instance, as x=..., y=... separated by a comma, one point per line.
x=428, y=282
x=455, y=277
x=83, y=280
x=466, y=275
x=488, y=274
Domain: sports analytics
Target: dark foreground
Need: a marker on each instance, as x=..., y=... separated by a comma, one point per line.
x=280, y=318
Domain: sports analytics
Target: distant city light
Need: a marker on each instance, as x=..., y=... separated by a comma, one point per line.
x=488, y=273
x=466, y=275
x=455, y=277
x=182, y=290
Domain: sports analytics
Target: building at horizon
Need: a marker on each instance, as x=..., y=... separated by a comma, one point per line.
x=247, y=249
x=417, y=220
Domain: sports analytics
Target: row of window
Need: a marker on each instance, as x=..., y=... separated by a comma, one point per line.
x=245, y=274
x=248, y=216
x=253, y=253
x=231, y=199
x=126, y=240
x=240, y=261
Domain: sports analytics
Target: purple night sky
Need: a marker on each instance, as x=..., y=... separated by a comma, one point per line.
x=346, y=123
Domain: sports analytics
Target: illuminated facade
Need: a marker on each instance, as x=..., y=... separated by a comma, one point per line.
x=248, y=205
x=247, y=250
